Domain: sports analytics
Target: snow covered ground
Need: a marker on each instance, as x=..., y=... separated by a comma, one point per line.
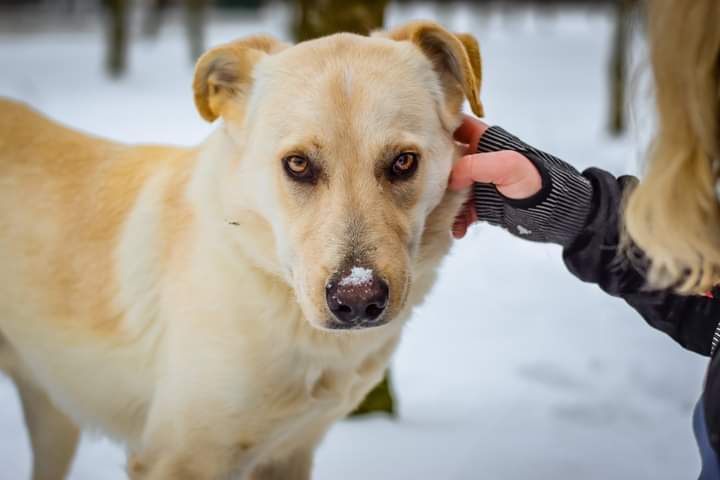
x=512, y=369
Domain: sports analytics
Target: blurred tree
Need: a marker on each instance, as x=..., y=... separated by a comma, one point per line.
x=116, y=19
x=117, y=13
x=246, y=4
x=194, y=22
x=618, y=64
x=317, y=18
x=380, y=399
x=153, y=16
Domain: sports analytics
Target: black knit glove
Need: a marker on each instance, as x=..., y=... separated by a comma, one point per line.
x=556, y=214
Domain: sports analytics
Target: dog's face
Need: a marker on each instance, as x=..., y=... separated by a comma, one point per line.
x=347, y=142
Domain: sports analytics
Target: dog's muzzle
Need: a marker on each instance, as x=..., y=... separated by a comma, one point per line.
x=357, y=298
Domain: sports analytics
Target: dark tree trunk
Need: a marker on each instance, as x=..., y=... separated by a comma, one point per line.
x=618, y=66
x=154, y=16
x=195, y=20
x=317, y=18
x=380, y=399
x=116, y=26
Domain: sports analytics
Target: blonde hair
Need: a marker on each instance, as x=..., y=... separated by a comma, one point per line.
x=674, y=215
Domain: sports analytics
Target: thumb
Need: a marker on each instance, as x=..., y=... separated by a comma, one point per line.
x=514, y=175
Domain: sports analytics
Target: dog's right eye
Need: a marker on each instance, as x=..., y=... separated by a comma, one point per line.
x=298, y=167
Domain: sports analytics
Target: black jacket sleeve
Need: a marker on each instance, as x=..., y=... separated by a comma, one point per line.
x=581, y=212
x=594, y=256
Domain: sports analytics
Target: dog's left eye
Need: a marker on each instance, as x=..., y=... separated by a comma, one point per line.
x=298, y=167
x=404, y=165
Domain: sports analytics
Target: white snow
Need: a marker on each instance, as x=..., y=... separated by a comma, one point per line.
x=358, y=276
x=512, y=369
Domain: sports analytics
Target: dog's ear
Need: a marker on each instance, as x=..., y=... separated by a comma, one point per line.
x=224, y=74
x=455, y=57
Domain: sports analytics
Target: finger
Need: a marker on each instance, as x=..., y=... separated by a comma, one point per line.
x=470, y=131
x=465, y=218
x=506, y=169
x=461, y=224
x=493, y=167
x=459, y=228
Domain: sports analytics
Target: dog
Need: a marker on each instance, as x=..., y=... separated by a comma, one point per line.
x=215, y=309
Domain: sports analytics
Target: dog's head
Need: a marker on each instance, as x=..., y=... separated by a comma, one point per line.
x=345, y=148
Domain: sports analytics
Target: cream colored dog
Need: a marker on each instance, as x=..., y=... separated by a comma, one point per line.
x=216, y=309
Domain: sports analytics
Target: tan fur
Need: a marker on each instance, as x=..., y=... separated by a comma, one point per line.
x=175, y=298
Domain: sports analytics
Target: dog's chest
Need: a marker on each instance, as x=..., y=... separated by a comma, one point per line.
x=321, y=385
x=318, y=394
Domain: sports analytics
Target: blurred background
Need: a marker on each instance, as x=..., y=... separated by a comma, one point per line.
x=512, y=369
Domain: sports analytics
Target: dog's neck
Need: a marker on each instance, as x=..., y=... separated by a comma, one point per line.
x=224, y=224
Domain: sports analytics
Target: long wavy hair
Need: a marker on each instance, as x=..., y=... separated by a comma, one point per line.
x=674, y=215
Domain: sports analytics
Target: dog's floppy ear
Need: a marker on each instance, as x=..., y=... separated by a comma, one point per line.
x=455, y=57
x=224, y=74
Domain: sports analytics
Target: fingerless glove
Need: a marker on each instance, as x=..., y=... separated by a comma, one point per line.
x=555, y=214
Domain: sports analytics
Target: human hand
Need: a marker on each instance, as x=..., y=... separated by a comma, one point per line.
x=513, y=175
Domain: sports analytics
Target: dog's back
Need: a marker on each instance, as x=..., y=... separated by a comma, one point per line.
x=44, y=170
x=64, y=197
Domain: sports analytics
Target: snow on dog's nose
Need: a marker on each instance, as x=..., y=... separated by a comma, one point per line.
x=357, y=298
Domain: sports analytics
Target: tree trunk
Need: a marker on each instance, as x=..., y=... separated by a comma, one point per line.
x=317, y=18
x=195, y=19
x=380, y=399
x=618, y=66
x=153, y=17
x=116, y=25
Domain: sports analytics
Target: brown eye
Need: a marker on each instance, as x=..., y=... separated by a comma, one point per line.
x=404, y=165
x=298, y=167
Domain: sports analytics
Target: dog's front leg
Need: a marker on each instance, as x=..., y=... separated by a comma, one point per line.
x=202, y=458
x=195, y=430
x=198, y=465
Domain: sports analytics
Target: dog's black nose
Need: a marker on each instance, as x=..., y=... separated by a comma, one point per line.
x=356, y=297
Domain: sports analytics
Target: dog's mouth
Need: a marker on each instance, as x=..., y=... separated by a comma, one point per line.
x=333, y=324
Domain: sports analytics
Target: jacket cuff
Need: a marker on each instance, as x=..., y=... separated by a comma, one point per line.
x=563, y=214
x=556, y=214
